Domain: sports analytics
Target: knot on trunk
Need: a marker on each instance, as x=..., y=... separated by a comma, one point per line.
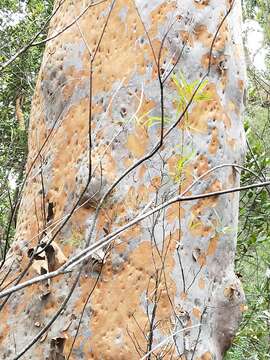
x=226, y=312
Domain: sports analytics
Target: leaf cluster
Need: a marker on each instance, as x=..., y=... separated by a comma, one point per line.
x=21, y=20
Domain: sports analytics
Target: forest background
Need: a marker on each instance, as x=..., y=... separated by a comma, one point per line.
x=21, y=21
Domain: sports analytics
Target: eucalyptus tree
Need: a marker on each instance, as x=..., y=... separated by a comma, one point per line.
x=126, y=233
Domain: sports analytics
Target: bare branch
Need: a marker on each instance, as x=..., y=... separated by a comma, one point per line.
x=86, y=253
x=169, y=338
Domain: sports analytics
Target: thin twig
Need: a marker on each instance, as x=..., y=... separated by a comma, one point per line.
x=169, y=338
x=89, y=251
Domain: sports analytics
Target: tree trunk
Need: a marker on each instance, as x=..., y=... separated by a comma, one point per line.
x=136, y=102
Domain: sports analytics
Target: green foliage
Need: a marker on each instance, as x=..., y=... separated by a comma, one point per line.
x=17, y=81
x=253, y=255
x=253, y=259
x=153, y=120
x=186, y=90
x=253, y=251
x=184, y=160
x=259, y=10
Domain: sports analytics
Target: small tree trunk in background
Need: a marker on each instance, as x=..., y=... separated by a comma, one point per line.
x=117, y=80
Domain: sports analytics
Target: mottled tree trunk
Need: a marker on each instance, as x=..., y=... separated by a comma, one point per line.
x=124, y=79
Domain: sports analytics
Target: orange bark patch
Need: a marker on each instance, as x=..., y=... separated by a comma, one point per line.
x=215, y=60
x=206, y=356
x=5, y=328
x=183, y=296
x=109, y=165
x=241, y=84
x=142, y=170
x=123, y=34
x=128, y=162
x=201, y=283
x=146, y=108
x=172, y=213
x=187, y=37
x=136, y=197
x=155, y=184
x=197, y=313
x=104, y=221
x=85, y=285
x=201, y=165
x=205, y=110
x=223, y=78
x=172, y=164
x=218, y=62
x=137, y=142
x=120, y=247
x=212, y=247
x=131, y=233
x=213, y=146
x=116, y=311
x=223, y=36
x=133, y=144
x=187, y=175
x=202, y=259
x=216, y=186
x=232, y=143
x=143, y=194
x=197, y=227
x=158, y=15
x=202, y=4
x=202, y=35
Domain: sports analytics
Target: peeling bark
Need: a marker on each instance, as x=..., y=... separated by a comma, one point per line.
x=169, y=279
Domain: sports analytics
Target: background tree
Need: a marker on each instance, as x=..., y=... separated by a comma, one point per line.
x=253, y=259
x=20, y=22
